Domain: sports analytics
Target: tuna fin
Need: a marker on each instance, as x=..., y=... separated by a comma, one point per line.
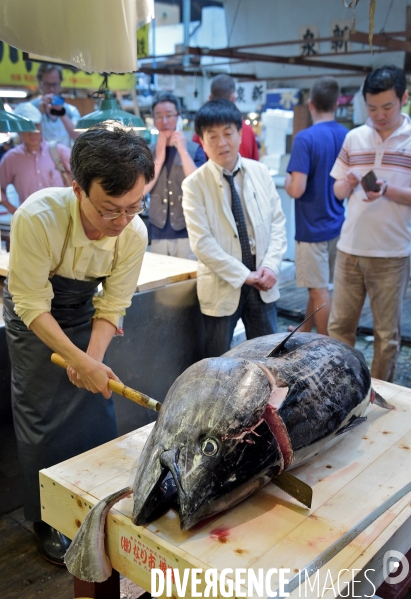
x=354, y=421
x=276, y=351
x=294, y=487
x=380, y=401
x=86, y=558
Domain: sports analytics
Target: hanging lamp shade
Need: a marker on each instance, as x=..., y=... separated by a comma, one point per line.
x=110, y=111
x=12, y=123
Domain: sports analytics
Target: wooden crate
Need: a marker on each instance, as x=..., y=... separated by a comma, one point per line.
x=268, y=530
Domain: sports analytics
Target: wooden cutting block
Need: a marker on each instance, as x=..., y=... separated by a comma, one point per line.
x=269, y=529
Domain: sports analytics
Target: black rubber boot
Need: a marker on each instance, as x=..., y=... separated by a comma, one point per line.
x=53, y=544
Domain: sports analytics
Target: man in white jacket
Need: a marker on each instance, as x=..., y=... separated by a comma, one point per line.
x=236, y=229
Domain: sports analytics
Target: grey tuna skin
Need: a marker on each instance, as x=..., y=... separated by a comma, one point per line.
x=231, y=424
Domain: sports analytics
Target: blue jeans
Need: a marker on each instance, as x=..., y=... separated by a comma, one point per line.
x=259, y=319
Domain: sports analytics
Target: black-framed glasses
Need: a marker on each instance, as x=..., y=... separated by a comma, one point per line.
x=113, y=215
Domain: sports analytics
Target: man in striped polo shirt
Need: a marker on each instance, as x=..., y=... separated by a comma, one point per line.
x=374, y=248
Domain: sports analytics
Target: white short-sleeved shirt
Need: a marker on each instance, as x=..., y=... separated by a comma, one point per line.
x=382, y=228
x=52, y=127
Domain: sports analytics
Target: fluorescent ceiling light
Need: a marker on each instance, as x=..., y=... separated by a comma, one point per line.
x=12, y=93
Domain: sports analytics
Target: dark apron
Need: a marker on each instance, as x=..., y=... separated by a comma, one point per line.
x=53, y=419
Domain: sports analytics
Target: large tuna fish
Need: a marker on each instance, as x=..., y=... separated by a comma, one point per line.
x=230, y=425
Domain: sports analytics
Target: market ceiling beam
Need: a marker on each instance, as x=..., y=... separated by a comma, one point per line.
x=356, y=37
x=383, y=40
x=292, y=60
x=194, y=70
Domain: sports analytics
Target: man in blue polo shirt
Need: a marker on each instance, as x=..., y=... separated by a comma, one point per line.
x=319, y=215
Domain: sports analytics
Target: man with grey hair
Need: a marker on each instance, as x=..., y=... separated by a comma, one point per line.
x=223, y=88
x=58, y=120
x=35, y=164
x=65, y=243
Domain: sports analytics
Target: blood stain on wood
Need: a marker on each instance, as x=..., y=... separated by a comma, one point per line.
x=220, y=534
x=241, y=551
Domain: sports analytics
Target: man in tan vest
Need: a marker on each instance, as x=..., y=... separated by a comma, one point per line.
x=175, y=158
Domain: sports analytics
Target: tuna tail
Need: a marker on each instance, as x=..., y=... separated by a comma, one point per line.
x=277, y=350
x=86, y=558
x=380, y=401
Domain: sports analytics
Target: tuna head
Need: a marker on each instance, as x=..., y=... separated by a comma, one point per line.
x=211, y=446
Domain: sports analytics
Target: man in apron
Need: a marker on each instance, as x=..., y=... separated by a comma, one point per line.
x=64, y=243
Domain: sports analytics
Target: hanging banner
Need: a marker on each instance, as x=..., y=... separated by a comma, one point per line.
x=94, y=36
x=16, y=72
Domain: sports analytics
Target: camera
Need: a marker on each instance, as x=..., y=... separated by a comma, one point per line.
x=57, y=106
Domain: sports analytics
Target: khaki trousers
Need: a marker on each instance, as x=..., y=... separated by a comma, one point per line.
x=385, y=280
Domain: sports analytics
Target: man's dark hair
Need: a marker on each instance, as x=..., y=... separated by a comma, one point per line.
x=383, y=79
x=112, y=155
x=167, y=97
x=217, y=112
x=222, y=86
x=48, y=68
x=324, y=94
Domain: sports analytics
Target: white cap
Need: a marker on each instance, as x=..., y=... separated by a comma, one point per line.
x=29, y=111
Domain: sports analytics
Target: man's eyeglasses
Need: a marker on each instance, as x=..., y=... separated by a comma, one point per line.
x=113, y=215
x=166, y=117
x=51, y=85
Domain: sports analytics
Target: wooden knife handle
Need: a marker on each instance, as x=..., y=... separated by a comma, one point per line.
x=119, y=388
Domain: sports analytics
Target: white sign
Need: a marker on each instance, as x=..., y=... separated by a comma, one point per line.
x=340, y=31
x=250, y=95
x=308, y=35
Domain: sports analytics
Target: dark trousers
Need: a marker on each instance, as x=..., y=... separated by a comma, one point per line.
x=259, y=319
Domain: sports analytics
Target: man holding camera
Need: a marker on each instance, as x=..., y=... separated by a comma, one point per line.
x=374, y=248
x=59, y=118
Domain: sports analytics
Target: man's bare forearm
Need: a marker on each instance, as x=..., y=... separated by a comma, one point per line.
x=399, y=195
x=5, y=202
x=68, y=124
x=342, y=189
x=101, y=335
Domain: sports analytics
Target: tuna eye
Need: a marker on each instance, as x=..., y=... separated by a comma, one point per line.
x=209, y=447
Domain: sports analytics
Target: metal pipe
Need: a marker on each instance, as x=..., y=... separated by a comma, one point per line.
x=186, y=24
x=154, y=51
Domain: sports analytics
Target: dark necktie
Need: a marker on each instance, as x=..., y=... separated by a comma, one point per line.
x=238, y=213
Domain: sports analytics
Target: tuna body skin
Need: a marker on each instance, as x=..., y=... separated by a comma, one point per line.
x=214, y=433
